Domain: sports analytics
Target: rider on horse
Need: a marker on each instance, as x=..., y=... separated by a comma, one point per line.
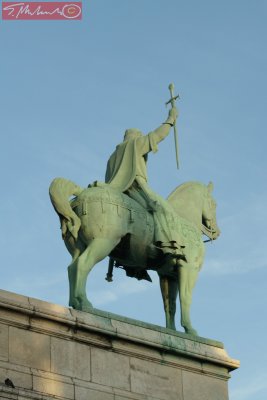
x=127, y=172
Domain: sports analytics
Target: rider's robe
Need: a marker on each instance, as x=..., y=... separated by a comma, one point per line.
x=129, y=161
x=127, y=172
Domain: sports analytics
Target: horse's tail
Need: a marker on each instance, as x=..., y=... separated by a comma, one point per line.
x=60, y=191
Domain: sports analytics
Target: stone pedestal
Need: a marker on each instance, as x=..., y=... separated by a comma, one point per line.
x=52, y=352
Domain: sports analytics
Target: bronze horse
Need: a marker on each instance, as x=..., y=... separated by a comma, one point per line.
x=100, y=221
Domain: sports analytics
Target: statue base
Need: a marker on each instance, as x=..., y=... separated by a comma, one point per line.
x=53, y=352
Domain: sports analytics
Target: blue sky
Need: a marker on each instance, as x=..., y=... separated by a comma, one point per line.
x=68, y=92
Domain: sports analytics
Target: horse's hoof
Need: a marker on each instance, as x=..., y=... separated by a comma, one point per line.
x=82, y=305
x=86, y=307
x=191, y=331
x=172, y=327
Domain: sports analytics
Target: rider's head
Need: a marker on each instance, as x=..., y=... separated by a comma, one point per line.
x=131, y=134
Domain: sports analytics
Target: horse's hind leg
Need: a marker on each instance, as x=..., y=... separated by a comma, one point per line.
x=75, y=248
x=79, y=269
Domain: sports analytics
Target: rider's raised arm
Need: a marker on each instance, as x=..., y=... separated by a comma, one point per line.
x=149, y=142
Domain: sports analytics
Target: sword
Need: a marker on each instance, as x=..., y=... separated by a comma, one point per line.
x=172, y=102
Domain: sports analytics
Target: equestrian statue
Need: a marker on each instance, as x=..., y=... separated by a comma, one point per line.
x=123, y=219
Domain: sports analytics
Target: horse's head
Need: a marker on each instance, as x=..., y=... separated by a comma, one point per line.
x=194, y=202
x=209, y=222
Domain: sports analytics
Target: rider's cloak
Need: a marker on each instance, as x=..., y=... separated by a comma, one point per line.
x=128, y=164
x=122, y=165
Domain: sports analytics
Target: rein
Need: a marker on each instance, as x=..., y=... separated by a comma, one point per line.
x=207, y=241
x=207, y=232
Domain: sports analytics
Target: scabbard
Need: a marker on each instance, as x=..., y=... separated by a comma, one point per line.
x=109, y=276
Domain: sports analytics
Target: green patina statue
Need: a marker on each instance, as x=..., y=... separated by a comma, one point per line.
x=138, y=229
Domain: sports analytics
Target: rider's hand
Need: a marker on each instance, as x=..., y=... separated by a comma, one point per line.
x=173, y=114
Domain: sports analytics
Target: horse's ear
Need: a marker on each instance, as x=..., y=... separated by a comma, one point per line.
x=210, y=187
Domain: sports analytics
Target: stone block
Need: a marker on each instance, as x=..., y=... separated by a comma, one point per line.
x=3, y=342
x=134, y=349
x=50, y=326
x=14, y=298
x=211, y=369
x=126, y=398
x=110, y=369
x=7, y=393
x=182, y=362
x=19, y=379
x=53, y=387
x=92, y=338
x=132, y=396
x=28, y=348
x=156, y=380
x=15, y=317
x=202, y=387
x=82, y=393
x=54, y=310
x=70, y=358
x=94, y=320
x=128, y=330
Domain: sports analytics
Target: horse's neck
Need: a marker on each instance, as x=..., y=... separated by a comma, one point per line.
x=188, y=204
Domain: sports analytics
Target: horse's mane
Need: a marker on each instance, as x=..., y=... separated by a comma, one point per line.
x=183, y=198
x=184, y=188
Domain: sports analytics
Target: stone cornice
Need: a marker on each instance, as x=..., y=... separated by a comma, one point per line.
x=109, y=331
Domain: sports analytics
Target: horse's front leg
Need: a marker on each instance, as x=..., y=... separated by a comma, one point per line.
x=79, y=269
x=187, y=279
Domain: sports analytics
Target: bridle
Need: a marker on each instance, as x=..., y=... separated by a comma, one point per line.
x=207, y=232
